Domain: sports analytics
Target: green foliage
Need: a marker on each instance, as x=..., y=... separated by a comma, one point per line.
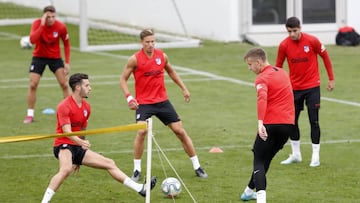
x=222, y=113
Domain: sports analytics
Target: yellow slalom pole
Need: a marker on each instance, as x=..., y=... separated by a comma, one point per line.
x=123, y=128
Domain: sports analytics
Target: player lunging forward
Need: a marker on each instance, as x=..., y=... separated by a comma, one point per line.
x=72, y=115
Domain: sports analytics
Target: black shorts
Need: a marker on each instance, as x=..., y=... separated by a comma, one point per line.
x=164, y=111
x=77, y=152
x=278, y=134
x=311, y=97
x=38, y=65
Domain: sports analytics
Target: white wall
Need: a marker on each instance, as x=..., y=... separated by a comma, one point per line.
x=215, y=19
x=353, y=14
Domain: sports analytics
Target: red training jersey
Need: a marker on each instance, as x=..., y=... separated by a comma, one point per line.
x=47, y=40
x=301, y=56
x=149, y=77
x=275, y=99
x=68, y=112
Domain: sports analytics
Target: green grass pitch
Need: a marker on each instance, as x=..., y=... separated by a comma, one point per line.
x=222, y=113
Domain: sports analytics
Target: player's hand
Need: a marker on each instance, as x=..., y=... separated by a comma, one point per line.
x=67, y=69
x=133, y=105
x=85, y=144
x=331, y=85
x=43, y=19
x=262, y=131
x=186, y=94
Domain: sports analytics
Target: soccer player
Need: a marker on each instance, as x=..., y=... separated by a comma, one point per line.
x=72, y=115
x=301, y=51
x=276, y=117
x=148, y=65
x=46, y=33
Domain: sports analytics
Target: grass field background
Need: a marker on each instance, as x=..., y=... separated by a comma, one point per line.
x=222, y=113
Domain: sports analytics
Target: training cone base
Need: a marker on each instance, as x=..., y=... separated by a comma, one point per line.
x=216, y=150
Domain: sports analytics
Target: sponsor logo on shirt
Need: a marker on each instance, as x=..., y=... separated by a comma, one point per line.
x=152, y=73
x=299, y=60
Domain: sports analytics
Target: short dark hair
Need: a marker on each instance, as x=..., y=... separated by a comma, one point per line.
x=76, y=79
x=292, y=22
x=146, y=32
x=256, y=53
x=49, y=8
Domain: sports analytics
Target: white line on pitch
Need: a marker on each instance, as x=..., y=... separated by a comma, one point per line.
x=173, y=149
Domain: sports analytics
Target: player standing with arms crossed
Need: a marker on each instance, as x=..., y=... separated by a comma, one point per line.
x=147, y=66
x=46, y=33
x=72, y=115
x=301, y=51
x=276, y=115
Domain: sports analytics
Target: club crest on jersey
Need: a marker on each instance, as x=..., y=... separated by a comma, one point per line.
x=259, y=86
x=306, y=48
x=55, y=34
x=158, y=60
x=85, y=113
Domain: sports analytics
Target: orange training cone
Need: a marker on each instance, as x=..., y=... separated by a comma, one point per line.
x=216, y=150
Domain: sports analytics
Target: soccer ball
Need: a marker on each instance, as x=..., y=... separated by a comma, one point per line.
x=171, y=187
x=25, y=42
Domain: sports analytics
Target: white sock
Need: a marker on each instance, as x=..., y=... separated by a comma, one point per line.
x=248, y=191
x=261, y=196
x=49, y=193
x=132, y=184
x=316, y=150
x=137, y=165
x=195, y=162
x=295, y=147
x=30, y=112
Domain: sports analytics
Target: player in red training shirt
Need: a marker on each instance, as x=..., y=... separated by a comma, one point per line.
x=72, y=115
x=276, y=118
x=46, y=33
x=301, y=51
x=147, y=66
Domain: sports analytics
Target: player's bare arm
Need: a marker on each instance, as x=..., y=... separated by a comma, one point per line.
x=176, y=78
x=124, y=77
x=85, y=144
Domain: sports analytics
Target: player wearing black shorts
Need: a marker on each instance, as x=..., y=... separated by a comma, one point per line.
x=148, y=66
x=46, y=33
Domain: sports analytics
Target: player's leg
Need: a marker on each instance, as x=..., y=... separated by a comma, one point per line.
x=188, y=146
x=313, y=106
x=65, y=169
x=35, y=72
x=57, y=67
x=98, y=161
x=261, y=151
x=169, y=117
x=295, y=156
x=138, y=152
x=142, y=114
